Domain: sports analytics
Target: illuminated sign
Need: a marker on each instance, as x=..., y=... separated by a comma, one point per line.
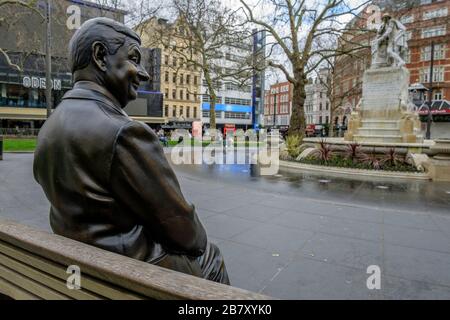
x=40, y=83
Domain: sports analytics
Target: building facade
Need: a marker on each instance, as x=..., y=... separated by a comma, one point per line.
x=317, y=104
x=180, y=81
x=278, y=106
x=238, y=105
x=427, y=22
x=22, y=79
x=234, y=102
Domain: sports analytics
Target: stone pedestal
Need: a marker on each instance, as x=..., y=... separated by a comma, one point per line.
x=383, y=115
x=439, y=167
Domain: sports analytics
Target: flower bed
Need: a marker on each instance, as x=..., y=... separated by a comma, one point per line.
x=341, y=162
x=353, y=158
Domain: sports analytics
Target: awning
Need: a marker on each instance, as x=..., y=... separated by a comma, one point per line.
x=10, y=113
x=438, y=107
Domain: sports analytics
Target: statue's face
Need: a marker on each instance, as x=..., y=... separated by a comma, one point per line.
x=125, y=72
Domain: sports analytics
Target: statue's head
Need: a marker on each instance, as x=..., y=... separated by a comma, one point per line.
x=386, y=17
x=108, y=53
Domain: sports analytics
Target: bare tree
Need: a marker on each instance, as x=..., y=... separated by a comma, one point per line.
x=305, y=33
x=30, y=7
x=207, y=29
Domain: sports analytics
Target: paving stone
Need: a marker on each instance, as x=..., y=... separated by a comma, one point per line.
x=278, y=239
x=255, y=212
x=310, y=279
x=404, y=289
x=417, y=264
x=343, y=251
x=417, y=238
x=418, y=221
x=225, y=227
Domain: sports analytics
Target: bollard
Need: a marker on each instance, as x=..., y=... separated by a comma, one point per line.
x=1, y=148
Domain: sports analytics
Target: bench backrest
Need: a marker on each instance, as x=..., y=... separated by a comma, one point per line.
x=34, y=263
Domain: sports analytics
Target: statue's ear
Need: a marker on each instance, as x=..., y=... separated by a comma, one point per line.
x=99, y=53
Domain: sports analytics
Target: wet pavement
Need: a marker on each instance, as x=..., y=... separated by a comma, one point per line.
x=299, y=236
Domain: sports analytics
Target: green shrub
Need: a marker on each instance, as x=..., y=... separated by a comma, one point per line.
x=293, y=143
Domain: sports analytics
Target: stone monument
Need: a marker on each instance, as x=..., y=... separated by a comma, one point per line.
x=385, y=112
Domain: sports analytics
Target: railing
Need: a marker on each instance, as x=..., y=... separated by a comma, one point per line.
x=19, y=132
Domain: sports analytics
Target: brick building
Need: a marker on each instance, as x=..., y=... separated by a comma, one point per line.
x=278, y=105
x=426, y=21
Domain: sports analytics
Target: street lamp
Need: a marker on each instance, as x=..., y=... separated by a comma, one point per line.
x=430, y=94
x=48, y=61
x=274, y=111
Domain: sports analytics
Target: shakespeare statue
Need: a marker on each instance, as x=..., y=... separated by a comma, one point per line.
x=105, y=175
x=390, y=46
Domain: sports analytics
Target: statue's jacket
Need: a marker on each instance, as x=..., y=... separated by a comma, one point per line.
x=109, y=183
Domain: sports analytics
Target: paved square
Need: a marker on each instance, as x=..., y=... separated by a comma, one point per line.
x=296, y=238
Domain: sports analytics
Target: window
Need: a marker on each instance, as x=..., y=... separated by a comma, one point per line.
x=439, y=52
x=188, y=96
x=195, y=112
x=438, y=74
x=166, y=60
x=327, y=119
x=196, y=80
x=166, y=110
x=237, y=115
x=174, y=111
x=441, y=12
x=166, y=77
x=408, y=56
x=188, y=112
x=207, y=98
x=181, y=111
x=243, y=102
x=320, y=120
x=174, y=61
x=408, y=35
x=433, y=32
x=181, y=78
x=174, y=93
x=174, y=78
x=437, y=95
x=407, y=19
x=166, y=93
x=188, y=79
x=181, y=94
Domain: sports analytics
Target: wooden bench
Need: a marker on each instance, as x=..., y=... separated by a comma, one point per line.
x=33, y=265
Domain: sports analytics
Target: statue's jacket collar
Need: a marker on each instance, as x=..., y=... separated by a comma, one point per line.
x=86, y=90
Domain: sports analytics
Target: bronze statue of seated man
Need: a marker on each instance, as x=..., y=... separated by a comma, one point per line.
x=105, y=175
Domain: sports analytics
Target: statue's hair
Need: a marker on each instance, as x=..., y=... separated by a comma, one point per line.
x=111, y=33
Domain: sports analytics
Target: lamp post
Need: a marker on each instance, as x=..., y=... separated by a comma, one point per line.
x=48, y=61
x=430, y=93
x=274, y=110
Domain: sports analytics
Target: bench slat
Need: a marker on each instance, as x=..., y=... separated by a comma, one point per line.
x=99, y=287
x=46, y=279
x=14, y=292
x=136, y=276
x=33, y=286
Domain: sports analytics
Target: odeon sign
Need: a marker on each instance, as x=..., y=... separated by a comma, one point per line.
x=40, y=83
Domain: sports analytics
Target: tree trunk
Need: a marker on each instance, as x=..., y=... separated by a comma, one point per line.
x=212, y=112
x=331, y=129
x=298, y=123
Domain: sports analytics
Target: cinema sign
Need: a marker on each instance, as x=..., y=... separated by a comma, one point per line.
x=40, y=83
